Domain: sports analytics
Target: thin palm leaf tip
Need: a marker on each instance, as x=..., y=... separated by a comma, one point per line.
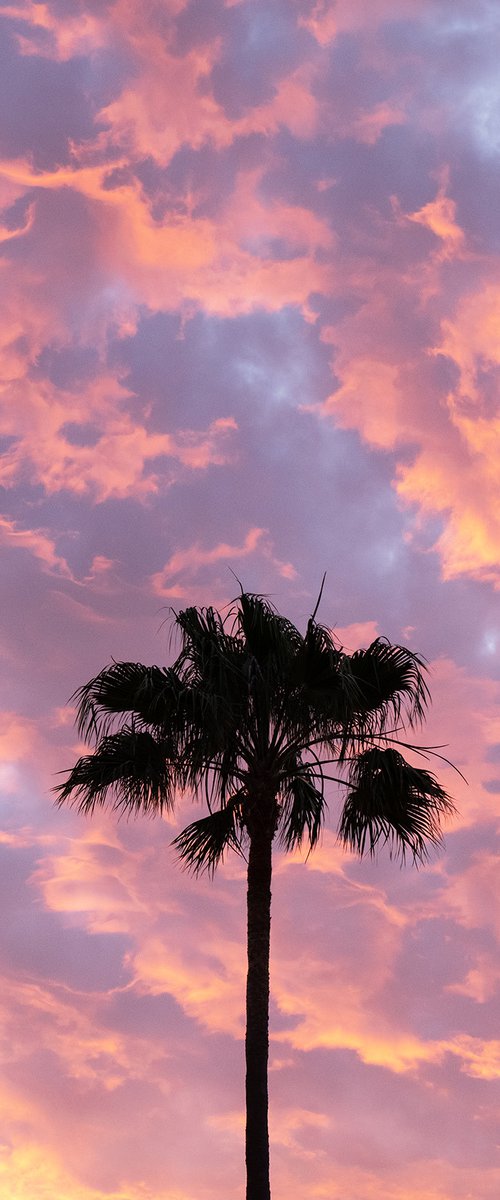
x=248, y=717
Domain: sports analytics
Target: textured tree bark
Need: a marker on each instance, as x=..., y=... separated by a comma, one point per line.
x=257, y=1011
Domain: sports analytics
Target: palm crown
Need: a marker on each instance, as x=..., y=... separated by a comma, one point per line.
x=252, y=713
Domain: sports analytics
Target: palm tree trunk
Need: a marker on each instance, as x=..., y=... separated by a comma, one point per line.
x=257, y=1013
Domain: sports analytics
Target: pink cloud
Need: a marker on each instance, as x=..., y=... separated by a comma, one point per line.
x=69, y=35
x=209, y=984
x=357, y=635
x=18, y=738
x=317, y=223
x=175, y=578
x=369, y=125
x=186, y=259
x=453, y=470
x=117, y=462
x=143, y=118
x=463, y=718
x=440, y=217
x=328, y=18
x=253, y=221
x=97, y=884
x=94, y=879
x=36, y=542
x=482, y=981
x=474, y=894
x=459, y=479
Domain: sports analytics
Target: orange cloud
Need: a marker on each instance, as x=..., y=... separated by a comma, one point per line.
x=293, y=107
x=480, y=1058
x=26, y=328
x=464, y=493
x=208, y=983
x=45, y=1016
x=382, y=390
x=471, y=336
x=143, y=116
x=31, y=1168
x=95, y=883
x=250, y=219
x=368, y=126
x=304, y=982
x=459, y=477
x=195, y=557
x=10, y=235
x=322, y=22
x=103, y=888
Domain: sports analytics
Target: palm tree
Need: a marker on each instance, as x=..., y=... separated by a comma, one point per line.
x=253, y=714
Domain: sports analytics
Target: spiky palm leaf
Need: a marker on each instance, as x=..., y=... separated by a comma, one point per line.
x=302, y=813
x=203, y=844
x=390, y=683
x=392, y=801
x=270, y=639
x=152, y=694
x=130, y=766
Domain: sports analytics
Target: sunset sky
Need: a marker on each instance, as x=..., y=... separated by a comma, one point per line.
x=249, y=260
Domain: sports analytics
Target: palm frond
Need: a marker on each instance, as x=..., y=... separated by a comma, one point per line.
x=319, y=657
x=270, y=639
x=211, y=665
x=303, y=812
x=390, y=683
x=151, y=693
x=392, y=802
x=330, y=689
x=129, y=768
x=202, y=845
x=204, y=638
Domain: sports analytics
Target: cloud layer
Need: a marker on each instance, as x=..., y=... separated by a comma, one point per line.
x=249, y=260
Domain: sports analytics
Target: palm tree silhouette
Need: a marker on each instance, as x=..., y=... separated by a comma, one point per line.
x=253, y=714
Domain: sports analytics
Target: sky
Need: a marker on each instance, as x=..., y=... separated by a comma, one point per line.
x=250, y=282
